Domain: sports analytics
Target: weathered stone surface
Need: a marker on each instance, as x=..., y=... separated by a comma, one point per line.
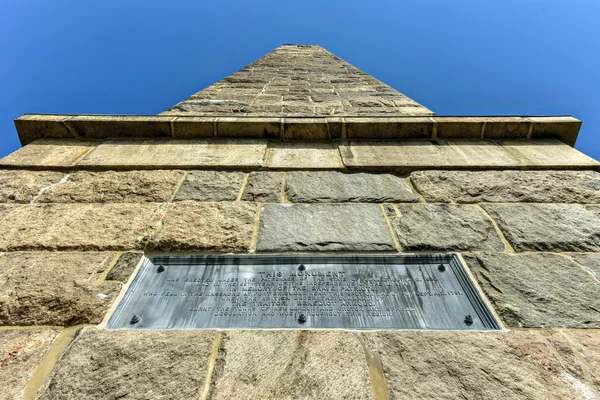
x=114, y=187
x=508, y=186
x=32, y=127
x=58, y=289
x=269, y=128
x=291, y=365
x=323, y=227
x=49, y=153
x=304, y=156
x=20, y=352
x=177, y=153
x=5, y=210
x=221, y=227
x=590, y=262
x=193, y=127
x=444, y=227
x=19, y=186
x=79, y=227
x=305, y=129
x=389, y=128
x=506, y=127
x=551, y=153
x=337, y=187
x=133, y=365
x=538, y=290
x=124, y=267
x=564, y=128
x=211, y=186
x=547, y=227
x=113, y=126
x=460, y=128
x=470, y=365
x=264, y=187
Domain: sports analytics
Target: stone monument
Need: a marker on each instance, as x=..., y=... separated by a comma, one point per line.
x=299, y=154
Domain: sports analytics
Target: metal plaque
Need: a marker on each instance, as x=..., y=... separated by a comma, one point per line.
x=425, y=291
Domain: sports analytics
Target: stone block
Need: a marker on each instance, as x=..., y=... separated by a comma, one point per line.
x=566, y=129
x=444, y=227
x=335, y=127
x=506, y=127
x=32, y=127
x=389, y=128
x=193, y=127
x=133, y=365
x=305, y=129
x=589, y=262
x=538, y=290
x=79, y=227
x=21, y=350
x=114, y=187
x=117, y=126
x=211, y=186
x=547, y=153
x=508, y=186
x=413, y=155
x=584, y=351
x=57, y=289
x=459, y=127
x=290, y=364
x=20, y=186
x=323, y=227
x=547, y=227
x=338, y=187
x=470, y=365
x=124, y=267
x=177, y=153
x=304, y=156
x=219, y=227
x=5, y=210
x=248, y=127
x=264, y=187
x=49, y=153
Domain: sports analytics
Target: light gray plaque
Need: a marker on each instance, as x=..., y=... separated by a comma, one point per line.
x=425, y=291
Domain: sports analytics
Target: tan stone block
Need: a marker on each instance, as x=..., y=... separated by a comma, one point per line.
x=193, y=127
x=49, y=153
x=117, y=126
x=459, y=127
x=220, y=227
x=389, y=128
x=291, y=364
x=136, y=365
x=305, y=129
x=32, y=127
x=59, y=289
x=547, y=153
x=114, y=187
x=506, y=127
x=304, y=156
x=20, y=186
x=335, y=127
x=249, y=127
x=178, y=153
x=5, y=210
x=79, y=227
x=565, y=129
x=20, y=353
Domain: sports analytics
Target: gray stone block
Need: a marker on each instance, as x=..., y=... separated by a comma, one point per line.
x=263, y=187
x=547, y=227
x=211, y=186
x=538, y=290
x=337, y=187
x=323, y=227
x=590, y=262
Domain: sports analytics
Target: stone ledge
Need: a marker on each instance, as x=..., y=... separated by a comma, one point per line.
x=36, y=126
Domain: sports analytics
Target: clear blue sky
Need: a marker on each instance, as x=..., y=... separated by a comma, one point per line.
x=467, y=57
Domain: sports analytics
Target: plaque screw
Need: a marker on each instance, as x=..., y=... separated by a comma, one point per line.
x=441, y=267
x=469, y=320
x=134, y=320
x=160, y=269
x=301, y=267
x=302, y=318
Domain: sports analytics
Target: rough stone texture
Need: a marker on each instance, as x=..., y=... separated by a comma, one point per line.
x=5, y=210
x=389, y=128
x=124, y=267
x=230, y=127
x=425, y=154
x=193, y=127
x=111, y=126
x=32, y=127
x=505, y=127
x=114, y=187
x=337, y=187
x=177, y=153
x=299, y=80
x=304, y=156
x=508, y=186
x=79, y=227
x=49, y=153
x=547, y=152
x=444, y=227
x=20, y=352
x=591, y=263
x=211, y=186
x=460, y=128
x=291, y=365
x=132, y=365
x=221, y=227
x=323, y=227
x=17, y=186
x=470, y=365
x=538, y=290
x=59, y=289
x=547, y=227
x=264, y=187
x=564, y=128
